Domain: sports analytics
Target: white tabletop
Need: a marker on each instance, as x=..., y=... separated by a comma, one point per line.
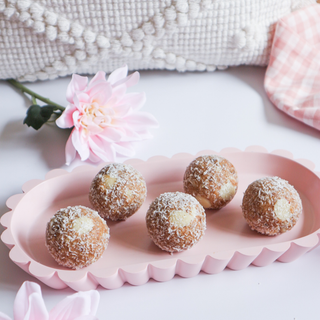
x=196, y=111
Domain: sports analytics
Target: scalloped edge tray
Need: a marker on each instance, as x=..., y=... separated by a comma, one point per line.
x=167, y=266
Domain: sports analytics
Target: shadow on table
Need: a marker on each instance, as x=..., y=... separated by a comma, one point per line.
x=254, y=77
x=49, y=141
x=11, y=276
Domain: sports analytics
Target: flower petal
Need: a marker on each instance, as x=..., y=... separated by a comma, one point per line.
x=106, y=119
x=78, y=305
x=100, y=93
x=37, y=309
x=102, y=148
x=145, y=134
x=129, y=81
x=117, y=95
x=135, y=99
x=141, y=120
x=122, y=110
x=4, y=316
x=100, y=76
x=80, y=98
x=75, y=117
x=118, y=75
x=93, y=158
x=70, y=151
x=28, y=304
x=86, y=318
x=110, y=134
x=125, y=148
x=65, y=120
x=128, y=102
x=77, y=83
x=130, y=135
x=80, y=145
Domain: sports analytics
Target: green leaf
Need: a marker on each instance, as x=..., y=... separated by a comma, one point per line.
x=37, y=116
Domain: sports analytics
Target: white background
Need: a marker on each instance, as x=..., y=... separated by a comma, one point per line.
x=196, y=111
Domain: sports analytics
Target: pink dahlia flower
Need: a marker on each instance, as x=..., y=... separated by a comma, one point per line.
x=29, y=305
x=105, y=118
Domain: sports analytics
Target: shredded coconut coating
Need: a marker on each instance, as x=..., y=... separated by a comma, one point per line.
x=212, y=179
x=117, y=191
x=271, y=206
x=165, y=228
x=76, y=237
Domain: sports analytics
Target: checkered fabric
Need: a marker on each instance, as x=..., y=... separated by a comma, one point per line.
x=292, y=79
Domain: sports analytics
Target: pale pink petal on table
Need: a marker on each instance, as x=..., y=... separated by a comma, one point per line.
x=28, y=304
x=77, y=83
x=81, y=304
x=37, y=309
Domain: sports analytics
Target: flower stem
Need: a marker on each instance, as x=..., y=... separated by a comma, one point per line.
x=34, y=95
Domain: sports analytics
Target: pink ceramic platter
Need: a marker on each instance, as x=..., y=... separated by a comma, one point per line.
x=131, y=255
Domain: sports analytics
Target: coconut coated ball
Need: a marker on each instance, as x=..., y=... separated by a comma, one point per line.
x=212, y=180
x=175, y=221
x=117, y=191
x=76, y=237
x=271, y=206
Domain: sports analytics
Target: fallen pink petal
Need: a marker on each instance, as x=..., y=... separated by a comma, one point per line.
x=29, y=305
x=106, y=120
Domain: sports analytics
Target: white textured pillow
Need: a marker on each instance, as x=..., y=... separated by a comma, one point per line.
x=44, y=39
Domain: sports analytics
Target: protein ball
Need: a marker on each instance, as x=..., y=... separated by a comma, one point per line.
x=212, y=180
x=117, y=191
x=76, y=237
x=271, y=206
x=175, y=221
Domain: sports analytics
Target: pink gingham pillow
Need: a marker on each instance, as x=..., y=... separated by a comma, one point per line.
x=292, y=80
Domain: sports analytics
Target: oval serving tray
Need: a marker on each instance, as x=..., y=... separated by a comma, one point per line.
x=131, y=255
